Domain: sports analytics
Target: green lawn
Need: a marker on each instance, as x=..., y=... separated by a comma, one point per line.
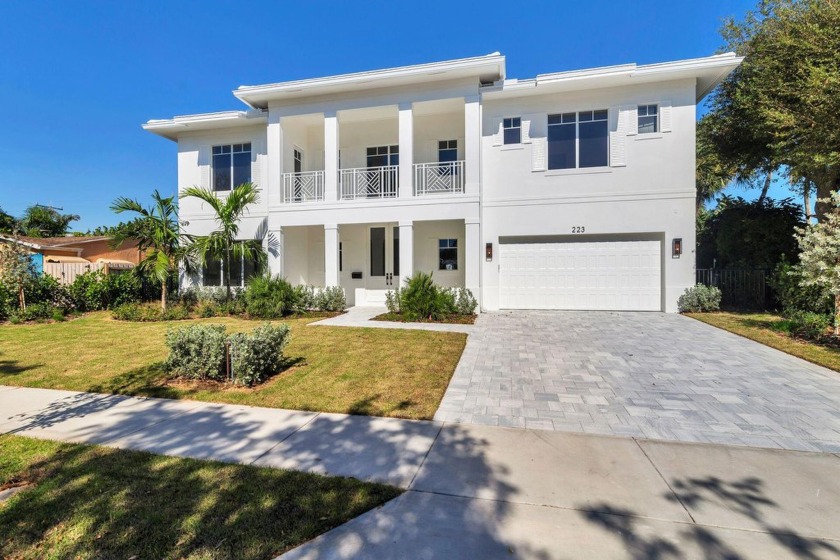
x=759, y=327
x=380, y=372
x=94, y=502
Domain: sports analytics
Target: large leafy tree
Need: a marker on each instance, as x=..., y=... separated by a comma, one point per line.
x=158, y=237
x=8, y=223
x=713, y=173
x=223, y=243
x=819, y=257
x=43, y=221
x=780, y=110
x=16, y=269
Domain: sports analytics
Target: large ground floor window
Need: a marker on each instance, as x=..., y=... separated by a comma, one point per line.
x=241, y=270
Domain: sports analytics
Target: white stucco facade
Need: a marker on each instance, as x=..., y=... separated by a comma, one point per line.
x=366, y=178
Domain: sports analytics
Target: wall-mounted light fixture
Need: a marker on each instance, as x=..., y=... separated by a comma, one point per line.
x=488, y=252
x=676, y=248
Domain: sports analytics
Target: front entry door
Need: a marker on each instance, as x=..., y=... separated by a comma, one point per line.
x=384, y=257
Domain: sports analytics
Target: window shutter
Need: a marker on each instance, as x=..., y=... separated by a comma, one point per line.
x=631, y=114
x=256, y=163
x=499, y=135
x=205, y=164
x=526, y=128
x=618, y=138
x=538, y=154
x=665, y=116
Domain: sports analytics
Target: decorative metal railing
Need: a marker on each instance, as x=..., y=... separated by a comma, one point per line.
x=438, y=178
x=306, y=186
x=369, y=182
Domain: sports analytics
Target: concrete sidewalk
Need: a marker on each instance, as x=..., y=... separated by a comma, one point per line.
x=482, y=491
x=362, y=317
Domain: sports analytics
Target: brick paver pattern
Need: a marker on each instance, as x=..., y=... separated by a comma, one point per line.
x=652, y=375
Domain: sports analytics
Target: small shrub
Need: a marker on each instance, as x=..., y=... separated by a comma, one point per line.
x=149, y=312
x=806, y=324
x=207, y=309
x=331, y=299
x=37, y=312
x=465, y=302
x=89, y=291
x=58, y=314
x=257, y=355
x=197, y=352
x=392, y=300
x=700, y=298
x=43, y=288
x=304, y=298
x=127, y=312
x=172, y=313
x=269, y=297
x=422, y=299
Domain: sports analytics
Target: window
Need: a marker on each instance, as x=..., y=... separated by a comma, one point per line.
x=447, y=151
x=577, y=140
x=212, y=273
x=648, y=119
x=231, y=166
x=448, y=254
x=381, y=156
x=340, y=256
x=512, y=128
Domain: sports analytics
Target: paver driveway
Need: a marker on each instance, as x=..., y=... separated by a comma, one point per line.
x=651, y=375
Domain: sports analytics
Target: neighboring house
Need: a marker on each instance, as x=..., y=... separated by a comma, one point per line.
x=573, y=190
x=67, y=257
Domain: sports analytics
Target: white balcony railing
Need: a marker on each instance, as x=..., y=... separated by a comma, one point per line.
x=369, y=182
x=307, y=186
x=438, y=178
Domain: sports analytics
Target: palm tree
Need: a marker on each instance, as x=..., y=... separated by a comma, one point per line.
x=222, y=244
x=157, y=234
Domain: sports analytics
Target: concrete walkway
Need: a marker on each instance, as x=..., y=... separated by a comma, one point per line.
x=481, y=491
x=362, y=317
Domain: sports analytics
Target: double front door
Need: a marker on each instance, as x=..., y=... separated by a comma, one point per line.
x=384, y=257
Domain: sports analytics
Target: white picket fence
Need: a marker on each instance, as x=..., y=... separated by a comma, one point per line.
x=65, y=273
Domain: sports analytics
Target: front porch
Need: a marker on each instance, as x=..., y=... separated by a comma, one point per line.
x=369, y=259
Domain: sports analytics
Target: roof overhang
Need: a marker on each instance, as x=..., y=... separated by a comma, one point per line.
x=708, y=72
x=489, y=68
x=172, y=128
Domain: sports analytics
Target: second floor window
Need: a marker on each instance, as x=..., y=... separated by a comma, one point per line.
x=648, y=119
x=447, y=151
x=577, y=140
x=231, y=166
x=512, y=128
x=380, y=156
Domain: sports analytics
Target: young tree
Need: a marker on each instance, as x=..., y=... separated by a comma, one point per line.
x=819, y=257
x=223, y=244
x=16, y=268
x=157, y=234
x=42, y=221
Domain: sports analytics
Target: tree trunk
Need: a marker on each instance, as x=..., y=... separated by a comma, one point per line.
x=806, y=200
x=21, y=298
x=836, y=314
x=163, y=295
x=767, y=181
x=227, y=276
x=824, y=190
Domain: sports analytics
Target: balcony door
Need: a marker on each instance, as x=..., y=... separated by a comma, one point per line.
x=382, y=183
x=383, y=257
x=298, y=157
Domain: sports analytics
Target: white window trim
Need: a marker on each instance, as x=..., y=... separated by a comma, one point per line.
x=231, y=153
x=512, y=128
x=658, y=119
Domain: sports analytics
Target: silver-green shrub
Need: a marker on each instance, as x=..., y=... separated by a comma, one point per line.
x=197, y=352
x=700, y=298
x=331, y=299
x=257, y=355
x=465, y=302
x=392, y=300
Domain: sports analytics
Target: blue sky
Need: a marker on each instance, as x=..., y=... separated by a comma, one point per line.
x=77, y=79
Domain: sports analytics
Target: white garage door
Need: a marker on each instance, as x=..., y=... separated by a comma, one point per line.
x=609, y=275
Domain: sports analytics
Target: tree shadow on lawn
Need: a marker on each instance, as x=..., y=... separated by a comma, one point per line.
x=108, y=503
x=14, y=367
x=744, y=496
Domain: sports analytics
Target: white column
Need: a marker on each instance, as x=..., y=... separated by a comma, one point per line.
x=273, y=244
x=472, y=257
x=331, y=255
x=472, y=145
x=406, y=252
x=406, y=141
x=274, y=147
x=331, y=156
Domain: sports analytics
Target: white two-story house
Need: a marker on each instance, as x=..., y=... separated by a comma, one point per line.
x=572, y=190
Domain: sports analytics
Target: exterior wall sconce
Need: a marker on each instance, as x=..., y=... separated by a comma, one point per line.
x=488, y=252
x=676, y=248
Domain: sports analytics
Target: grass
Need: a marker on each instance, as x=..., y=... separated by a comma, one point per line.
x=94, y=502
x=764, y=328
x=380, y=372
x=454, y=318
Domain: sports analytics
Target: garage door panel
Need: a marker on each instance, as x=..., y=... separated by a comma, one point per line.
x=607, y=275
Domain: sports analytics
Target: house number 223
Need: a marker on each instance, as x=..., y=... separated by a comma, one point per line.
x=578, y=229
